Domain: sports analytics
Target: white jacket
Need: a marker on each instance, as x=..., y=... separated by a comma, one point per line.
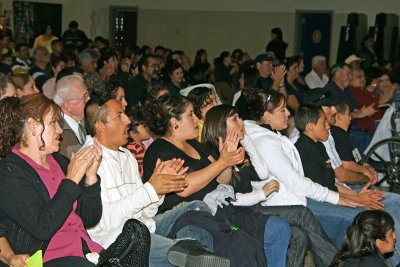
x=284, y=163
x=123, y=195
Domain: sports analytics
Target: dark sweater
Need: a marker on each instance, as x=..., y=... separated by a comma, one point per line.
x=27, y=211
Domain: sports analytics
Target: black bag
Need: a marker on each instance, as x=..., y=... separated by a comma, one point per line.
x=131, y=248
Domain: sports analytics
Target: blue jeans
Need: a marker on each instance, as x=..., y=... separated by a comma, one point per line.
x=164, y=222
x=336, y=219
x=276, y=241
x=360, y=139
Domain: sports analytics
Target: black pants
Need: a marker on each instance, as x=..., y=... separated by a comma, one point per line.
x=69, y=262
x=307, y=233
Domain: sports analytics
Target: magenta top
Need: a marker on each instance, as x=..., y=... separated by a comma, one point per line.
x=67, y=240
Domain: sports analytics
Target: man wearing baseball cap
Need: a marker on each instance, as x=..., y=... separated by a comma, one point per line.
x=270, y=78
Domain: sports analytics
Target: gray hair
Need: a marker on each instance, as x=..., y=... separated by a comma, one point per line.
x=87, y=54
x=62, y=90
x=338, y=67
x=316, y=59
x=37, y=50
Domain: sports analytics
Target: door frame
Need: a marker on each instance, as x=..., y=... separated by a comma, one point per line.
x=113, y=13
x=298, y=29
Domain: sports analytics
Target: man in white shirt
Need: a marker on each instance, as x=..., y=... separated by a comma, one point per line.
x=317, y=77
x=124, y=196
x=71, y=94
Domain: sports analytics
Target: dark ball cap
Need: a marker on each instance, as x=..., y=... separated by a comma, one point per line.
x=321, y=97
x=263, y=57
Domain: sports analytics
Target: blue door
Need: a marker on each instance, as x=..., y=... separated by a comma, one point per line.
x=316, y=35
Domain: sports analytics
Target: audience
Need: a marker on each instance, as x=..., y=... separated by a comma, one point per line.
x=174, y=120
x=123, y=194
x=223, y=122
x=242, y=173
x=312, y=122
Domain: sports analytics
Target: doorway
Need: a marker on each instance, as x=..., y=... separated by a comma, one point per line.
x=123, y=27
x=313, y=35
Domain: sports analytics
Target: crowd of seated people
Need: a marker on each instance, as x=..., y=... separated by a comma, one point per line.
x=244, y=162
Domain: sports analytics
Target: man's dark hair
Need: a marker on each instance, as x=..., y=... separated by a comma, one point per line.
x=98, y=38
x=96, y=109
x=19, y=46
x=105, y=54
x=159, y=47
x=73, y=24
x=68, y=71
x=306, y=113
x=145, y=61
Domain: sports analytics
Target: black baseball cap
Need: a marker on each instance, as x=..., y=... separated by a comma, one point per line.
x=321, y=97
x=263, y=57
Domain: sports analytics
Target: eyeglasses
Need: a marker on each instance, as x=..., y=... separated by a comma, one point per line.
x=326, y=95
x=83, y=98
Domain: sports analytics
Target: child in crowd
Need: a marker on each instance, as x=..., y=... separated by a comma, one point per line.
x=369, y=237
x=350, y=156
x=138, y=132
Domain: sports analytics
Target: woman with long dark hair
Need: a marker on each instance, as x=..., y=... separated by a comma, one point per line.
x=368, y=238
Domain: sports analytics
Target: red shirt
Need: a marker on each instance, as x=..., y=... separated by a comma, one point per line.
x=67, y=240
x=137, y=151
x=366, y=98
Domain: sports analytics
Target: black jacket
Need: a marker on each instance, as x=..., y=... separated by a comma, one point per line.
x=27, y=211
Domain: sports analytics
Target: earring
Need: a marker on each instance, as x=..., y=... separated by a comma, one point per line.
x=176, y=127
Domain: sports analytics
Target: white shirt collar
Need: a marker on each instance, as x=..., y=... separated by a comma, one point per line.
x=73, y=124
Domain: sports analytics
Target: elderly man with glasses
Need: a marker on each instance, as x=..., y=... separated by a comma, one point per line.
x=71, y=95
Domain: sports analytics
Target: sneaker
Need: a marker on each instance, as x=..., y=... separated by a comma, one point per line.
x=190, y=253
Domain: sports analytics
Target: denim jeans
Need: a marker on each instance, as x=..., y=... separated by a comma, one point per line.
x=276, y=241
x=336, y=219
x=360, y=139
x=164, y=223
x=306, y=231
